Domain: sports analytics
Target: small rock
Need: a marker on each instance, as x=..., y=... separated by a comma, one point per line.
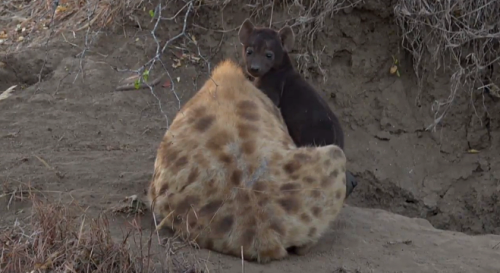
x=430, y=201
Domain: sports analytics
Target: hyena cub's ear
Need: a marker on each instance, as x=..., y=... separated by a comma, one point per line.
x=287, y=38
x=245, y=31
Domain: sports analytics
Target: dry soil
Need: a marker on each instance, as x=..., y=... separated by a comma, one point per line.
x=73, y=135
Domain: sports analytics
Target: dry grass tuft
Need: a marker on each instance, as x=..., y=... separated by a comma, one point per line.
x=55, y=241
x=460, y=35
x=309, y=19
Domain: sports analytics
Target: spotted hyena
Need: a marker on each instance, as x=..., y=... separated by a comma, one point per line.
x=229, y=177
x=308, y=117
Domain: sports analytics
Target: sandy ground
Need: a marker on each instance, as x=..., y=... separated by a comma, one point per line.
x=99, y=145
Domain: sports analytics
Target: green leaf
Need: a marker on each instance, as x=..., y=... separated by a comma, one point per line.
x=151, y=13
x=145, y=75
x=137, y=84
x=397, y=73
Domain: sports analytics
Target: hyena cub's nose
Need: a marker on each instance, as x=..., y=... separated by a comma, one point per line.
x=254, y=68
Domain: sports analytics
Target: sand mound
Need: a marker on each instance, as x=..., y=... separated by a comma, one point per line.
x=372, y=240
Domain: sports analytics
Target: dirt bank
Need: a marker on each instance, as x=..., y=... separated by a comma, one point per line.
x=73, y=135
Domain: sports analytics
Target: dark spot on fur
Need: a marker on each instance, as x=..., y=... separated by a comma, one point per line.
x=338, y=194
x=211, y=183
x=250, y=116
x=327, y=182
x=301, y=157
x=316, y=211
x=225, y=224
x=204, y=123
x=247, y=207
x=246, y=105
x=263, y=200
x=236, y=177
x=225, y=158
x=334, y=173
x=291, y=167
x=290, y=204
x=248, y=147
x=312, y=232
x=190, y=145
x=251, y=221
x=181, y=162
x=210, y=208
x=247, y=110
x=277, y=157
x=315, y=193
x=308, y=179
x=259, y=186
x=185, y=205
x=163, y=189
x=243, y=196
x=211, y=191
x=193, y=175
x=263, y=216
x=290, y=187
x=199, y=111
x=218, y=141
x=202, y=161
x=327, y=163
x=343, y=181
x=305, y=218
x=170, y=156
x=246, y=130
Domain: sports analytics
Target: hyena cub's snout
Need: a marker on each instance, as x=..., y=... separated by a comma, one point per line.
x=258, y=62
x=253, y=68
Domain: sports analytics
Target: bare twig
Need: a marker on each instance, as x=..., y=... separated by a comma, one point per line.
x=160, y=49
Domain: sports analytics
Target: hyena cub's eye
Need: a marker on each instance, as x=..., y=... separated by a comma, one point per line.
x=269, y=55
x=249, y=51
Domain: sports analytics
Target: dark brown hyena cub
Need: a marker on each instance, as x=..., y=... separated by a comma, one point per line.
x=309, y=119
